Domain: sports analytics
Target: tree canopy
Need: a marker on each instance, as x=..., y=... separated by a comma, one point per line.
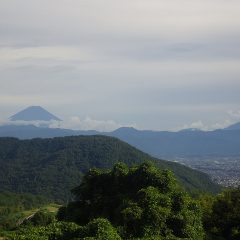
x=224, y=218
x=140, y=202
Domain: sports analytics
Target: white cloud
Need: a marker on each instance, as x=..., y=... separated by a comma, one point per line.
x=88, y=123
x=207, y=127
x=171, y=17
x=74, y=123
x=195, y=125
x=36, y=123
x=233, y=117
x=235, y=114
x=26, y=55
x=221, y=125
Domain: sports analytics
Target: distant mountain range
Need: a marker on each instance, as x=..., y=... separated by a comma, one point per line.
x=162, y=144
x=183, y=143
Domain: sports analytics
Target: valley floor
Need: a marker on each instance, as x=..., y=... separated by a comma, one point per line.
x=224, y=170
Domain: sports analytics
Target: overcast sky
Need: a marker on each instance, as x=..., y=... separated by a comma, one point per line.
x=102, y=64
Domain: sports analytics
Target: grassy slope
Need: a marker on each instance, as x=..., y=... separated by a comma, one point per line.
x=52, y=207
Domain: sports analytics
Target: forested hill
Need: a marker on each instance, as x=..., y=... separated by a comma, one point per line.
x=52, y=167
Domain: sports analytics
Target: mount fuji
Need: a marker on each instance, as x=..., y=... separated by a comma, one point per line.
x=34, y=113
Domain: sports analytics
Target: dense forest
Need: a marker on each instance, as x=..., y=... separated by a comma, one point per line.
x=141, y=202
x=51, y=167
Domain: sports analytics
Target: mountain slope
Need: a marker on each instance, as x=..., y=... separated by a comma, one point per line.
x=51, y=167
x=34, y=113
x=235, y=126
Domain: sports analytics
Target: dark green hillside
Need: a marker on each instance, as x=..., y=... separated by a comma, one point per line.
x=51, y=167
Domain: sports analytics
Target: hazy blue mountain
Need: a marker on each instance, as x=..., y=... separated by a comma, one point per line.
x=182, y=143
x=34, y=113
x=235, y=126
x=31, y=131
x=157, y=143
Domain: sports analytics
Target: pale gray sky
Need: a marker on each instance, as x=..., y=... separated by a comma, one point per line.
x=102, y=64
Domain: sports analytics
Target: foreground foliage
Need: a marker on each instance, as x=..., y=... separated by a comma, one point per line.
x=136, y=203
x=140, y=202
x=99, y=229
x=222, y=219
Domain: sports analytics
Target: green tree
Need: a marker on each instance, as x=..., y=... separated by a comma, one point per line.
x=225, y=216
x=98, y=229
x=141, y=202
